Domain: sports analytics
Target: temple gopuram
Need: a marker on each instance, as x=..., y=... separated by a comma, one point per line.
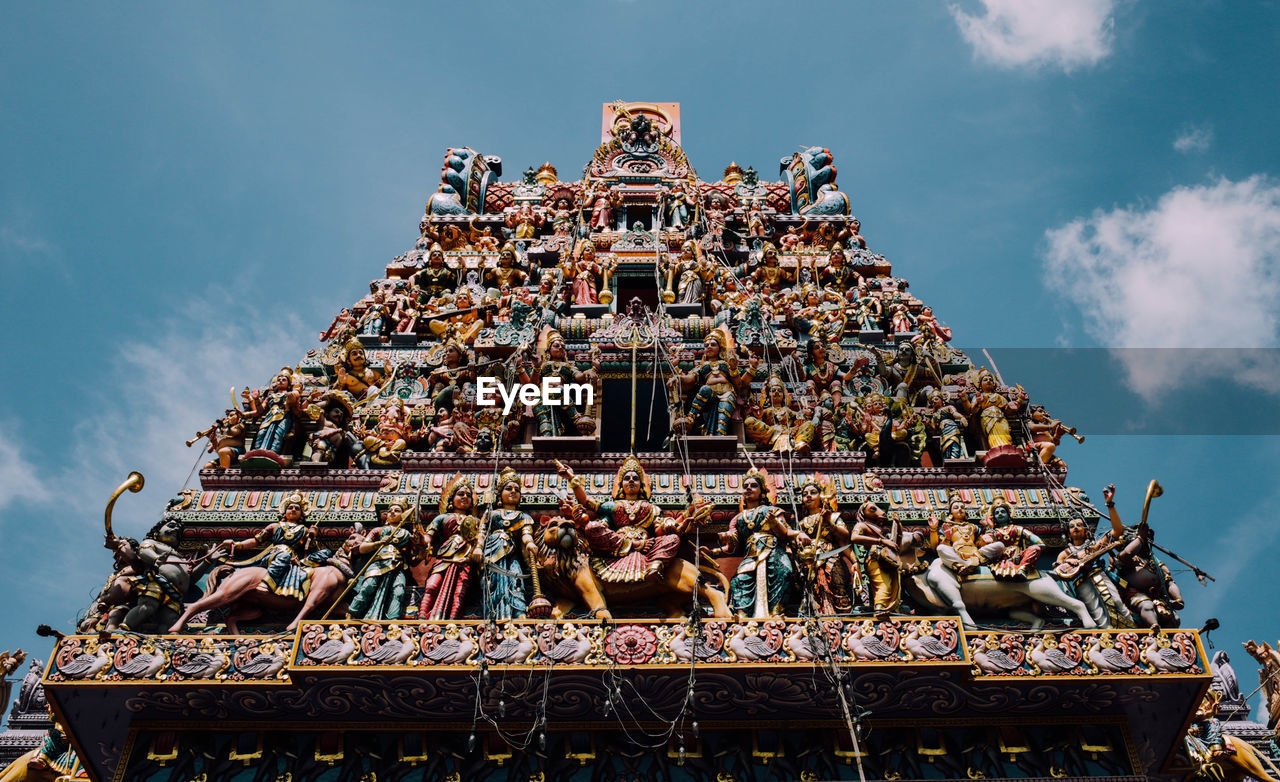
x=639, y=476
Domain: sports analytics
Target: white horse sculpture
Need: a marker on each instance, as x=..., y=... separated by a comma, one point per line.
x=939, y=587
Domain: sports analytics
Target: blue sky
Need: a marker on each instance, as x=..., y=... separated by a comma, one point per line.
x=187, y=195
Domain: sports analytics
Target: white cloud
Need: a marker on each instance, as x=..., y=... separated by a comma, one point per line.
x=24, y=242
x=1200, y=269
x=167, y=389
x=160, y=393
x=19, y=479
x=1063, y=33
x=1193, y=139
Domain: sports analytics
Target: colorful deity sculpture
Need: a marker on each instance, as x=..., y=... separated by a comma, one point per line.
x=285, y=544
x=507, y=275
x=509, y=552
x=1021, y=547
x=1146, y=584
x=601, y=200
x=716, y=379
x=962, y=545
x=885, y=561
x=865, y=308
x=381, y=591
x=1046, y=434
x=837, y=274
x=565, y=420
x=1081, y=566
x=452, y=539
x=629, y=534
x=583, y=274
x=765, y=577
x=833, y=572
x=776, y=425
x=946, y=424
x=435, y=277
x=146, y=591
x=276, y=412
x=690, y=277
x=332, y=441
x=353, y=374
x=993, y=409
x=226, y=439
x=770, y=276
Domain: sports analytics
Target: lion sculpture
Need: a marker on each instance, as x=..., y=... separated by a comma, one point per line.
x=564, y=561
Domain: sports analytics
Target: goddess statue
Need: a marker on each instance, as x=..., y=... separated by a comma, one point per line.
x=992, y=407
x=452, y=538
x=629, y=533
x=509, y=552
x=776, y=425
x=277, y=411
x=833, y=572
x=765, y=576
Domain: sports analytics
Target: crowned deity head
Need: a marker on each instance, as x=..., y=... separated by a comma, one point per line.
x=353, y=356
x=293, y=508
x=999, y=513
x=757, y=489
x=507, y=256
x=509, y=489
x=458, y=495
x=986, y=382
x=631, y=482
x=817, y=493
x=774, y=393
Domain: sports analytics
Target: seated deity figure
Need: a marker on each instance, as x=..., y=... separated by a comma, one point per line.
x=962, y=545
x=717, y=380
x=353, y=374
x=565, y=420
x=630, y=535
x=776, y=425
x=435, y=277
x=507, y=275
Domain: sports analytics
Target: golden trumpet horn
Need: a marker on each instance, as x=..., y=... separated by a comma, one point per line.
x=1153, y=490
x=134, y=484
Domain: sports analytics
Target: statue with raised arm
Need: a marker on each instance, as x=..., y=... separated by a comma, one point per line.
x=276, y=411
x=1146, y=584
